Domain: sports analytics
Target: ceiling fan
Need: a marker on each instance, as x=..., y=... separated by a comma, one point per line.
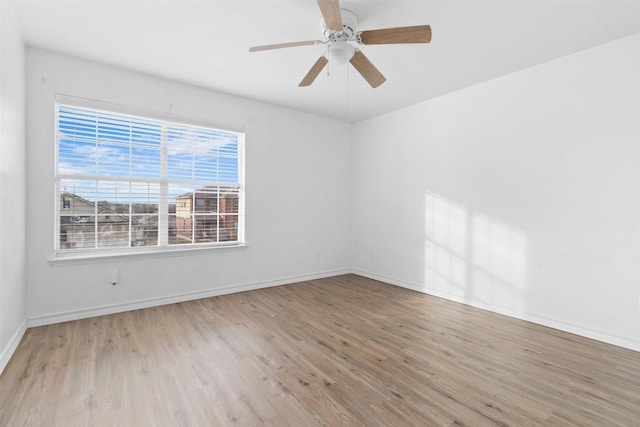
x=339, y=30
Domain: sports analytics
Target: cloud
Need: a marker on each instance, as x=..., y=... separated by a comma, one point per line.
x=199, y=141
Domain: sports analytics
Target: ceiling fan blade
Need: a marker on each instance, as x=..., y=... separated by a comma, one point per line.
x=314, y=71
x=331, y=13
x=367, y=69
x=282, y=45
x=415, y=34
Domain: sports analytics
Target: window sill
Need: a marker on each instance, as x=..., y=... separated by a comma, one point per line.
x=132, y=255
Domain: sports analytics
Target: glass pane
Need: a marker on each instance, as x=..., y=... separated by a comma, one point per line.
x=172, y=232
x=111, y=127
x=77, y=232
x=77, y=198
x=205, y=228
x=228, y=228
x=229, y=200
x=229, y=146
x=145, y=163
x=76, y=157
x=76, y=124
x=206, y=200
x=145, y=197
x=146, y=134
x=113, y=231
x=228, y=170
x=179, y=165
x=202, y=154
x=180, y=208
x=181, y=197
x=113, y=197
x=144, y=230
x=183, y=227
x=113, y=160
x=205, y=168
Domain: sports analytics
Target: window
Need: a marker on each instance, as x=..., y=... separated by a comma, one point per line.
x=126, y=181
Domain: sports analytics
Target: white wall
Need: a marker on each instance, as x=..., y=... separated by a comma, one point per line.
x=296, y=195
x=13, y=290
x=520, y=195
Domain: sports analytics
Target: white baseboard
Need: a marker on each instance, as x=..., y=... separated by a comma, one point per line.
x=529, y=317
x=11, y=346
x=171, y=299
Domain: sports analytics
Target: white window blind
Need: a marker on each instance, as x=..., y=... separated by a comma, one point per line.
x=126, y=181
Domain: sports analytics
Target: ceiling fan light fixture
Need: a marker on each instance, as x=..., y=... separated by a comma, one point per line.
x=340, y=52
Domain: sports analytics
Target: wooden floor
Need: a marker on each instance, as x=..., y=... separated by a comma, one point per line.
x=338, y=351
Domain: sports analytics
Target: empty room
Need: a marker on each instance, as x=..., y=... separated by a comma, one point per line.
x=320, y=213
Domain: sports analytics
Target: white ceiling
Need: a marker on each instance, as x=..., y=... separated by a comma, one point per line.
x=206, y=43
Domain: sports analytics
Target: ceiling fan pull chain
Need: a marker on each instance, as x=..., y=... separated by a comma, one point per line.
x=348, y=91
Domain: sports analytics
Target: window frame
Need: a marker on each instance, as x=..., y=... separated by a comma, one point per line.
x=62, y=254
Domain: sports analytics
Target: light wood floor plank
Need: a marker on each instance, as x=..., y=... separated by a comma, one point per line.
x=339, y=351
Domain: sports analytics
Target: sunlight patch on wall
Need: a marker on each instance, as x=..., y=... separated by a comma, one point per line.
x=473, y=257
x=445, y=245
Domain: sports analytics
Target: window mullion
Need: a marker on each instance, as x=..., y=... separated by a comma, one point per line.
x=130, y=230
x=163, y=208
x=193, y=217
x=130, y=217
x=95, y=170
